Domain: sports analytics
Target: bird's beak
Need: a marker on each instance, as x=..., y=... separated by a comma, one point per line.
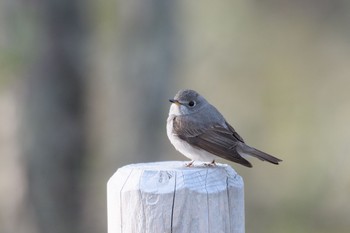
x=175, y=102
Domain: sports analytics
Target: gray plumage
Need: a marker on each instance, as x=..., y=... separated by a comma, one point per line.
x=199, y=131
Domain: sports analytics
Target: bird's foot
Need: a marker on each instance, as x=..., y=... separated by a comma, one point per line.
x=189, y=164
x=212, y=164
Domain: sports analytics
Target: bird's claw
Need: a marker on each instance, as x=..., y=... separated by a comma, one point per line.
x=189, y=164
x=212, y=164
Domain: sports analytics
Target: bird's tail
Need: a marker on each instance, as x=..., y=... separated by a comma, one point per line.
x=244, y=149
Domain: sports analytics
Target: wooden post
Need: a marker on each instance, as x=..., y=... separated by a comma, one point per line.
x=169, y=197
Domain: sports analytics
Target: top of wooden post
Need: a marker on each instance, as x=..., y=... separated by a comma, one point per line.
x=170, y=197
x=213, y=178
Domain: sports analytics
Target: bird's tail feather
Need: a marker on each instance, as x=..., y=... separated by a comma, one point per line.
x=247, y=150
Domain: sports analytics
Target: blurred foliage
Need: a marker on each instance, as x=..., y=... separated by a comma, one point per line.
x=277, y=70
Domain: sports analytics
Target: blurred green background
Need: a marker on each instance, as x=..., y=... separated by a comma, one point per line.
x=84, y=88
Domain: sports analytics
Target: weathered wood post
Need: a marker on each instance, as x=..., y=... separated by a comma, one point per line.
x=169, y=197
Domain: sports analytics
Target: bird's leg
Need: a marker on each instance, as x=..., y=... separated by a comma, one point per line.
x=189, y=164
x=212, y=164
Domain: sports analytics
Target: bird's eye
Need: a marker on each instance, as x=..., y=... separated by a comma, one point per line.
x=191, y=103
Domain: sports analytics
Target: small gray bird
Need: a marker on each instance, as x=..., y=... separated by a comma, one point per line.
x=199, y=131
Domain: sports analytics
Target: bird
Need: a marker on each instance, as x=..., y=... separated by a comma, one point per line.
x=200, y=132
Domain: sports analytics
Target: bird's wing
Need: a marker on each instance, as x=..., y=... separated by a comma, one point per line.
x=234, y=133
x=213, y=138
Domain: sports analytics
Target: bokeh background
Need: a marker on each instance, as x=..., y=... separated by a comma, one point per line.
x=84, y=88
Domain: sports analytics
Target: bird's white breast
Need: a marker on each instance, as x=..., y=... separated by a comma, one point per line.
x=181, y=145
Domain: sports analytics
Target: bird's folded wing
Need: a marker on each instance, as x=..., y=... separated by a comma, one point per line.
x=234, y=133
x=215, y=139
